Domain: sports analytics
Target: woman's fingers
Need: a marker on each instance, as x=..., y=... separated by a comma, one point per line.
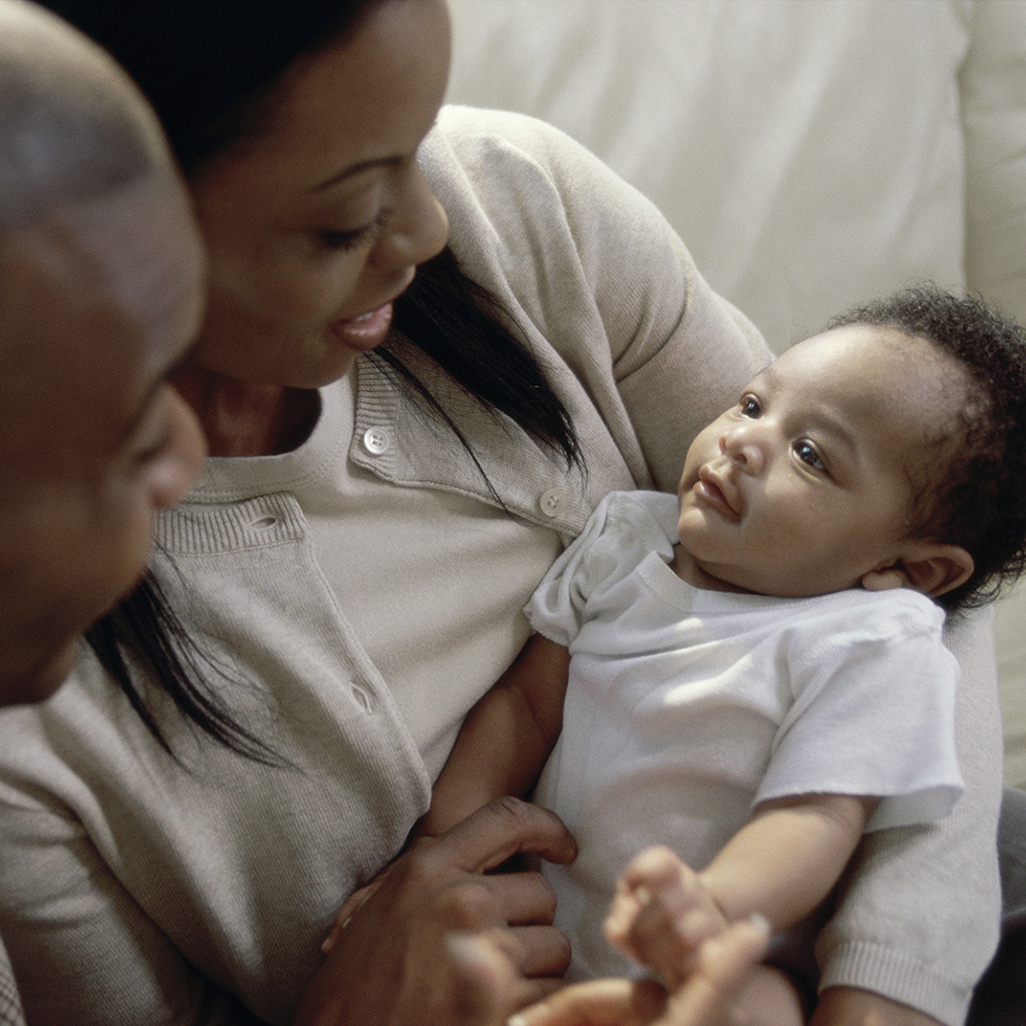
x=437, y=888
x=486, y=986
x=533, y=951
x=503, y=828
x=348, y=910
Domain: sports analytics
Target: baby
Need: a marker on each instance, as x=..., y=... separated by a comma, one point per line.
x=756, y=673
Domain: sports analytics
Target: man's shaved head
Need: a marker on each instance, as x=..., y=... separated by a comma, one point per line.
x=101, y=293
x=72, y=125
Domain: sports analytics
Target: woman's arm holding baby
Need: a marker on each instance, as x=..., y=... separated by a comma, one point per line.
x=505, y=739
x=500, y=750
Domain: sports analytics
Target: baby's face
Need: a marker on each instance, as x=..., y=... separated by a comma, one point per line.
x=808, y=483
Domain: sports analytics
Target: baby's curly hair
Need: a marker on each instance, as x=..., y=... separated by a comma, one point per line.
x=980, y=501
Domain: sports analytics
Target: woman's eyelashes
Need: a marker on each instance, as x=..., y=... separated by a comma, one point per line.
x=346, y=240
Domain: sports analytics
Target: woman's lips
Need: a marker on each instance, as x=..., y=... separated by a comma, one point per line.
x=366, y=331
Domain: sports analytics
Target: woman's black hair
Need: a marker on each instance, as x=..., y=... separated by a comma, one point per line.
x=145, y=628
x=979, y=501
x=211, y=68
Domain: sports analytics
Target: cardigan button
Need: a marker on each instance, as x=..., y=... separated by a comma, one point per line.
x=361, y=698
x=377, y=440
x=552, y=502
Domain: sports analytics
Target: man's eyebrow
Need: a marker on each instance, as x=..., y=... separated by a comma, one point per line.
x=355, y=169
x=155, y=386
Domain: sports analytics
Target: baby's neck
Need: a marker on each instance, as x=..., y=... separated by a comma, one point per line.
x=688, y=570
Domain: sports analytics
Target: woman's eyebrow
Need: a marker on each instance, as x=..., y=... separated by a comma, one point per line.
x=355, y=169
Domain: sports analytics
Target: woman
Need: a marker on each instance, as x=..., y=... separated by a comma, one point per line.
x=101, y=267
x=353, y=563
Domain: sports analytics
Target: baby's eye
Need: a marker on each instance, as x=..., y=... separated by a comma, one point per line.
x=749, y=407
x=806, y=452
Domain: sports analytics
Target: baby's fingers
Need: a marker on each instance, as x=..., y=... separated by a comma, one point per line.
x=651, y=870
x=661, y=913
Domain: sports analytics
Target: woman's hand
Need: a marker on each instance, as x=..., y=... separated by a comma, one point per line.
x=393, y=963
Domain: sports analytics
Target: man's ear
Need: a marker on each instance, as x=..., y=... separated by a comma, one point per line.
x=930, y=567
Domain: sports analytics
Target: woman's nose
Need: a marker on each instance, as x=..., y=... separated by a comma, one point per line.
x=745, y=444
x=418, y=229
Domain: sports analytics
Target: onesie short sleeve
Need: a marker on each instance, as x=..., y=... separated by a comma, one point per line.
x=873, y=710
x=624, y=528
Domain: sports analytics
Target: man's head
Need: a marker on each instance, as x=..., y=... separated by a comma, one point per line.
x=100, y=295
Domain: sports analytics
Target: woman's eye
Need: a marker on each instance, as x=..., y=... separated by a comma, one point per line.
x=749, y=407
x=806, y=452
x=342, y=240
x=347, y=240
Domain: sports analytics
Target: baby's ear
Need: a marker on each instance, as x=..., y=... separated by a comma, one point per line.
x=930, y=567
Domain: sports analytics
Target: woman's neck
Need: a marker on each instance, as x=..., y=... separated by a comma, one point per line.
x=242, y=418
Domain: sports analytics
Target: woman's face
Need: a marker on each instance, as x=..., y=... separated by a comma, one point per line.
x=315, y=225
x=101, y=301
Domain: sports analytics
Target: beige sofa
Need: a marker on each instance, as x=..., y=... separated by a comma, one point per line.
x=812, y=153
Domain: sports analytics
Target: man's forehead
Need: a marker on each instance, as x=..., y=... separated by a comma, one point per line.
x=132, y=257
x=97, y=304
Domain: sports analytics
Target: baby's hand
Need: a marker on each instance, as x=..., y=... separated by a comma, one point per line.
x=661, y=914
x=708, y=998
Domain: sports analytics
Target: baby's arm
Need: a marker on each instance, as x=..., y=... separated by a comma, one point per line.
x=780, y=865
x=787, y=858
x=505, y=738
